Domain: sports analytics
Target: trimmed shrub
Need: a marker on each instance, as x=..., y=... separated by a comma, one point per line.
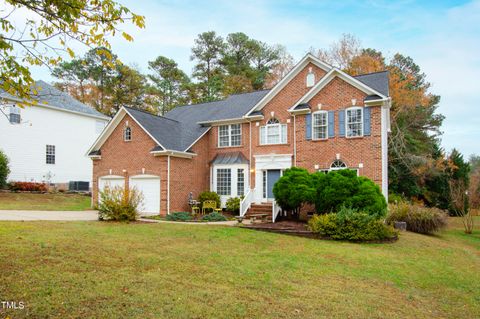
x=233, y=204
x=214, y=217
x=209, y=196
x=419, y=219
x=294, y=188
x=27, y=187
x=4, y=169
x=119, y=204
x=179, y=216
x=349, y=224
x=344, y=188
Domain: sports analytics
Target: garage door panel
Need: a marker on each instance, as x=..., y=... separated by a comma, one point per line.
x=150, y=189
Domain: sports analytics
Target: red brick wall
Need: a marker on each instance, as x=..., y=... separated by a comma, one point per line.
x=337, y=95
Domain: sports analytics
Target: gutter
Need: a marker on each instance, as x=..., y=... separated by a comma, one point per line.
x=173, y=153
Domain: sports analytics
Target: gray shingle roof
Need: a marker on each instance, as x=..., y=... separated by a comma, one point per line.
x=377, y=81
x=179, y=128
x=230, y=158
x=51, y=96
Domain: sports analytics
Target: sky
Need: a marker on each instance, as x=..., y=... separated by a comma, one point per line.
x=443, y=38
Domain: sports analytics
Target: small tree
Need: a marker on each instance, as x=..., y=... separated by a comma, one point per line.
x=460, y=203
x=4, y=169
x=293, y=189
x=119, y=204
x=345, y=188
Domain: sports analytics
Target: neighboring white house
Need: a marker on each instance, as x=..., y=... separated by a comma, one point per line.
x=47, y=142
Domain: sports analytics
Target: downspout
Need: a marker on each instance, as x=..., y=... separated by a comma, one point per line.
x=250, y=155
x=294, y=141
x=168, y=185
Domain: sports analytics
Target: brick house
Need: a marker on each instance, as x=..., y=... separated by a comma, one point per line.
x=316, y=117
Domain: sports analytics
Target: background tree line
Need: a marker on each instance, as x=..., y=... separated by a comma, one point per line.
x=419, y=168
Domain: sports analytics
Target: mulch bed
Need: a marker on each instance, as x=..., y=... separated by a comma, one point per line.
x=300, y=229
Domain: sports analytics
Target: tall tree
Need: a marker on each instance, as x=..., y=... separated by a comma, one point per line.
x=340, y=53
x=170, y=84
x=207, y=53
x=280, y=68
x=127, y=87
x=49, y=33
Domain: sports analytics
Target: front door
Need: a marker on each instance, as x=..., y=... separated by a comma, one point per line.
x=272, y=177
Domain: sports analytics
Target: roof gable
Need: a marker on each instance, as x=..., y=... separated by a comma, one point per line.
x=327, y=79
x=309, y=58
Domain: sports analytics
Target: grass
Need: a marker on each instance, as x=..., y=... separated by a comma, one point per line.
x=110, y=270
x=57, y=201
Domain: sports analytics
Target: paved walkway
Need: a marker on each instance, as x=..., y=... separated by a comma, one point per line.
x=225, y=223
x=48, y=215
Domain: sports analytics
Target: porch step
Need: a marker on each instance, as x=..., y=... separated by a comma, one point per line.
x=260, y=209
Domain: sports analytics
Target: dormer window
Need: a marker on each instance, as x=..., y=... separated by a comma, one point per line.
x=14, y=115
x=273, y=133
x=310, y=78
x=127, y=134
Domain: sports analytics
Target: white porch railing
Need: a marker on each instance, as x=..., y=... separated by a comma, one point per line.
x=275, y=210
x=246, y=202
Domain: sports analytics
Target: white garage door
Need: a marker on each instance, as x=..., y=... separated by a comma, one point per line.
x=110, y=181
x=150, y=187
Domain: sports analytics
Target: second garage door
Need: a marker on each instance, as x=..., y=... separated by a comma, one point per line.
x=149, y=185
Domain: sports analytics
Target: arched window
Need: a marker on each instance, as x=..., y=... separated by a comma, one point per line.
x=337, y=165
x=273, y=132
x=273, y=121
x=127, y=134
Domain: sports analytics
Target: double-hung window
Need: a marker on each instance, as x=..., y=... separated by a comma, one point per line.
x=273, y=133
x=240, y=182
x=320, y=125
x=354, y=122
x=50, y=154
x=14, y=115
x=229, y=135
x=224, y=181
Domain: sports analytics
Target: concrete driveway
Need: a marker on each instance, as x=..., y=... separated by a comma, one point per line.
x=48, y=215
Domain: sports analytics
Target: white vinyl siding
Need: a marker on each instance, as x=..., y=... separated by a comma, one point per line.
x=320, y=125
x=354, y=122
x=229, y=135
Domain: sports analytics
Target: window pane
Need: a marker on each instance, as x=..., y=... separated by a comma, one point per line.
x=50, y=154
x=263, y=138
x=236, y=135
x=320, y=125
x=284, y=133
x=354, y=123
x=224, y=179
x=273, y=134
x=240, y=182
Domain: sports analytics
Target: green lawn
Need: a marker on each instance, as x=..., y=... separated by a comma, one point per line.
x=59, y=201
x=109, y=270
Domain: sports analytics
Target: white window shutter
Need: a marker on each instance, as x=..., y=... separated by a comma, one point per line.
x=284, y=133
x=262, y=135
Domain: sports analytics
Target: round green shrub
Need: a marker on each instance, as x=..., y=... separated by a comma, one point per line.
x=294, y=188
x=233, y=205
x=214, y=217
x=179, y=216
x=349, y=224
x=209, y=196
x=419, y=219
x=344, y=188
x=4, y=169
